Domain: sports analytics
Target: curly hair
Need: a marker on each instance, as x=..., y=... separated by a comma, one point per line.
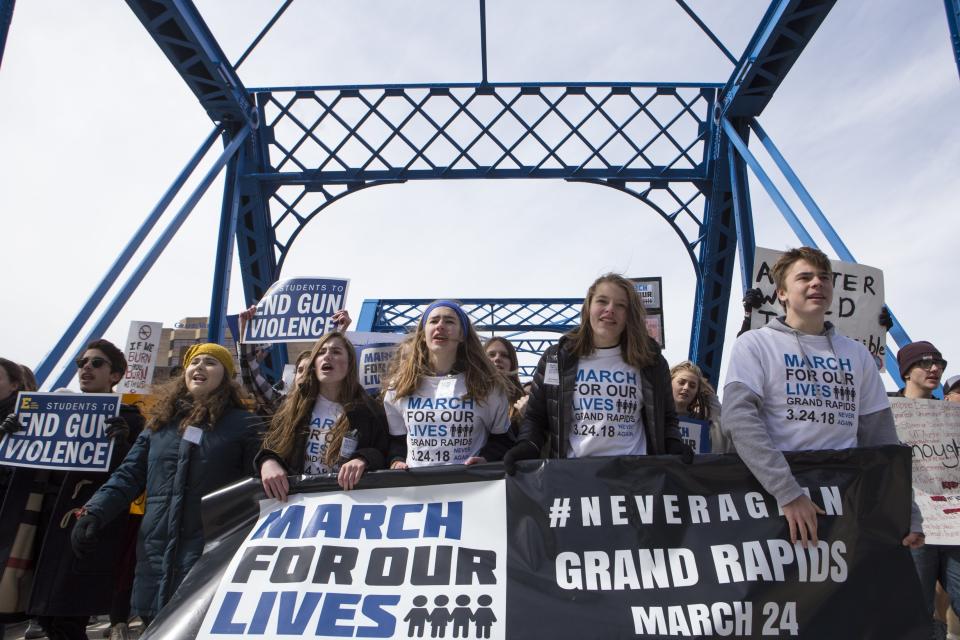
x=176, y=403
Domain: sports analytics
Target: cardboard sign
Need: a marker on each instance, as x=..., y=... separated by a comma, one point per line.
x=297, y=310
x=857, y=300
x=61, y=431
x=143, y=341
x=932, y=430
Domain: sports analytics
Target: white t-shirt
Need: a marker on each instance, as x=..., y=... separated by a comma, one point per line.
x=607, y=408
x=325, y=414
x=442, y=427
x=812, y=395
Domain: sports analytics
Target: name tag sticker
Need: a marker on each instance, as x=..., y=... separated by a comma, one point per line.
x=552, y=374
x=193, y=434
x=447, y=388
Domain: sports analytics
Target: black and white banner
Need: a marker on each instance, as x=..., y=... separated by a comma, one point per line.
x=641, y=547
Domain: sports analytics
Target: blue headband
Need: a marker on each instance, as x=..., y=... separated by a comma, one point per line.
x=449, y=304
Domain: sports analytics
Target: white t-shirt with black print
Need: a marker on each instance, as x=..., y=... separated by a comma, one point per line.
x=607, y=408
x=441, y=426
x=324, y=416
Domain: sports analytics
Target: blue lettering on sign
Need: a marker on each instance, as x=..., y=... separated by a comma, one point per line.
x=442, y=519
x=293, y=616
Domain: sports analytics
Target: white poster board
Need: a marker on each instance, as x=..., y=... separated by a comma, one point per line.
x=931, y=428
x=143, y=343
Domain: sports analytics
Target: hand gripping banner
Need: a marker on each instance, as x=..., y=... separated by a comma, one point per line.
x=640, y=547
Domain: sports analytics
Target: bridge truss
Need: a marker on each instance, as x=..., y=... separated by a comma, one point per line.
x=290, y=152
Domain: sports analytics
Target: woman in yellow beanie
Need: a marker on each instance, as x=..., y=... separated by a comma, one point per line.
x=198, y=439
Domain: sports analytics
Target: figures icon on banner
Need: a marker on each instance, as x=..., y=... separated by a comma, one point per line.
x=461, y=617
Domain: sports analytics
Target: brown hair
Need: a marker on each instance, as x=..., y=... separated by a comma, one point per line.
x=174, y=401
x=514, y=388
x=699, y=407
x=15, y=374
x=295, y=411
x=636, y=345
x=29, y=380
x=118, y=361
x=411, y=363
x=815, y=257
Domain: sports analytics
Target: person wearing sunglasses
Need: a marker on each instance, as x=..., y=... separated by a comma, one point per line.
x=921, y=367
x=199, y=438
x=65, y=591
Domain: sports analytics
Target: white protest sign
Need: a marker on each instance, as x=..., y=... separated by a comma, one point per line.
x=376, y=563
x=297, y=310
x=932, y=430
x=143, y=342
x=856, y=307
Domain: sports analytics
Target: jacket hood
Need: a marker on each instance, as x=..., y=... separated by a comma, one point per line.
x=780, y=324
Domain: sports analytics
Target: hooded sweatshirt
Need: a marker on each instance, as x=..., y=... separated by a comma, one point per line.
x=790, y=391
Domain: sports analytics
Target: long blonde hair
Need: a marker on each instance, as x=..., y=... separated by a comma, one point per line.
x=294, y=413
x=699, y=407
x=411, y=363
x=636, y=345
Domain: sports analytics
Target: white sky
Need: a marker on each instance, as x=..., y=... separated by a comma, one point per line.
x=96, y=124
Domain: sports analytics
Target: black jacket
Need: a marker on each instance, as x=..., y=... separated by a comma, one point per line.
x=64, y=585
x=549, y=411
x=366, y=417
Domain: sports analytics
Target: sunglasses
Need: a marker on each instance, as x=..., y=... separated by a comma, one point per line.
x=927, y=363
x=95, y=362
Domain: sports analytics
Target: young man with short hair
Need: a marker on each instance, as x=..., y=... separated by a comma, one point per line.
x=921, y=367
x=779, y=380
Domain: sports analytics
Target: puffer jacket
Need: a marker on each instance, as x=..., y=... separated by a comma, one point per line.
x=549, y=412
x=175, y=474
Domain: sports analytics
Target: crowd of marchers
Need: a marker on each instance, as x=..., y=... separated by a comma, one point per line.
x=76, y=544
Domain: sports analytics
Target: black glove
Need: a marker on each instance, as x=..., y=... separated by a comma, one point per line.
x=523, y=450
x=679, y=448
x=84, y=536
x=117, y=428
x=11, y=424
x=885, y=319
x=752, y=299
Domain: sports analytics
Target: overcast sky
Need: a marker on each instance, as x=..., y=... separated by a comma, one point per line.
x=96, y=124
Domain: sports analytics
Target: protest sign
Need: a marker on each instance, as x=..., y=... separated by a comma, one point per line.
x=932, y=430
x=369, y=563
x=143, y=342
x=297, y=309
x=695, y=433
x=590, y=548
x=856, y=307
x=61, y=431
x=374, y=351
x=650, y=292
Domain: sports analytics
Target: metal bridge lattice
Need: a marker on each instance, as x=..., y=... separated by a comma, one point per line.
x=290, y=152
